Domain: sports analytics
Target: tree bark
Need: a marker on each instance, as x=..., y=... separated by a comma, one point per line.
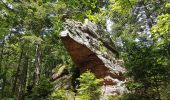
x=17, y=72
x=23, y=77
x=1, y=57
x=37, y=64
x=2, y=72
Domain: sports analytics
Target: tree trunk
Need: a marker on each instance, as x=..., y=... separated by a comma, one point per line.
x=3, y=71
x=23, y=78
x=17, y=72
x=37, y=64
x=1, y=57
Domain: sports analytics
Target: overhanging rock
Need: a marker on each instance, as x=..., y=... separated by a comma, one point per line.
x=90, y=52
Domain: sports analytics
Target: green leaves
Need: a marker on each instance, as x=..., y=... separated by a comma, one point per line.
x=41, y=91
x=149, y=67
x=89, y=88
x=167, y=5
x=31, y=39
x=162, y=29
x=122, y=6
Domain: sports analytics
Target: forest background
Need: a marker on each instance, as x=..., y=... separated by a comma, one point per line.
x=31, y=48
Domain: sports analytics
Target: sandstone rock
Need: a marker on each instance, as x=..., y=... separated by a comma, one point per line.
x=90, y=51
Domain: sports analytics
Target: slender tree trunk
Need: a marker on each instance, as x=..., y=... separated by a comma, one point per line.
x=1, y=56
x=3, y=83
x=157, y=89
x=37, y=64
x=3, y=72
x=17, y=72
x=158, y=92
x=23, y=78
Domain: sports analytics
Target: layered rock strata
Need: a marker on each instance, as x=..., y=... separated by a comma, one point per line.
x=90, y=51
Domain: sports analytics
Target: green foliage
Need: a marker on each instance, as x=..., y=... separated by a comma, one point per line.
x=32, y=40
x=122, y=6
x=161, y=31
x=89, y=88
x=146, y=60
x=124, y=97
x=58, y=95
x=62, y=94
x=25, y=24
x=149, y=68
x=113, y=98
x=42, y=90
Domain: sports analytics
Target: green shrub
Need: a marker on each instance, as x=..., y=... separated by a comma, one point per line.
x=58, y=95
x=41, y=91
x=89, y=88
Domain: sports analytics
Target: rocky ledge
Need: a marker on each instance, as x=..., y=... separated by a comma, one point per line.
x=90, y=51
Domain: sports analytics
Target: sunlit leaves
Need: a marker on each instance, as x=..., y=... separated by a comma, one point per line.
x=122, y=6
x=89, y=87
x=167, y=5
x=161, y=31
x=80, y=9
x=31, y=39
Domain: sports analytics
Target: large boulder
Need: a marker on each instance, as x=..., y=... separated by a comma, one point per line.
x=90, y=51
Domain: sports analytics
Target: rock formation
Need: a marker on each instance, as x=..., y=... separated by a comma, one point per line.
x=90, y=51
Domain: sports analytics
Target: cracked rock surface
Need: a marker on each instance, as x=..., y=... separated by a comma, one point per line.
x=90, y=51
